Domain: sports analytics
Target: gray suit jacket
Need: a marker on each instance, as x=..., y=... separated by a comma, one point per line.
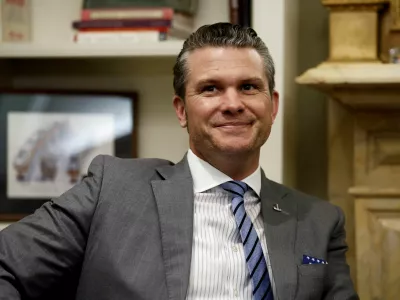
x=126, y=233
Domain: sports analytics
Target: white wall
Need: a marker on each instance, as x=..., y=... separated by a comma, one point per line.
x=269, y=23
x=274, y=20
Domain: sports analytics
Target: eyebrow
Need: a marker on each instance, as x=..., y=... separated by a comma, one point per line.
x=206, y=81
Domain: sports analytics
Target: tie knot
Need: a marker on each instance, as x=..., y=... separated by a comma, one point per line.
x=238, y=188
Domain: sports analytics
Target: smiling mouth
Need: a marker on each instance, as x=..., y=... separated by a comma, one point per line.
x=235, y=124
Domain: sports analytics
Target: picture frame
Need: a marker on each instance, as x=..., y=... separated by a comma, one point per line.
x=49, y=137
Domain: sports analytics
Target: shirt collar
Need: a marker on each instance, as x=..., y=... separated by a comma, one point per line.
x=205, y=176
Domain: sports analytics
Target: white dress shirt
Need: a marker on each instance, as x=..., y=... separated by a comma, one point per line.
x=218, y=267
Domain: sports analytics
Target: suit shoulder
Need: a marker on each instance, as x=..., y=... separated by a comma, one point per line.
x=311, y=209
x=303, y=199
x=127, y=166
x=112, y=161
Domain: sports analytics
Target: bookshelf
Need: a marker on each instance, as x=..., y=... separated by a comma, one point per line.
x=53, y=34
x=71, y=50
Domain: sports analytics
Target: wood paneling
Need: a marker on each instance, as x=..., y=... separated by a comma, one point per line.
x=378, y=248
x=377, y=149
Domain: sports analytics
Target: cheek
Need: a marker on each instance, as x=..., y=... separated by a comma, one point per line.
x=195, y=120
x=201, y=111
x=263, y=111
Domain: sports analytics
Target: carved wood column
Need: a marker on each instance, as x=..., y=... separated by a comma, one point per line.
x=354, y=29
x=364, y=138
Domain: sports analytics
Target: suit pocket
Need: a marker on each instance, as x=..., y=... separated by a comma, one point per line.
x=310, y=282
x=315, y=270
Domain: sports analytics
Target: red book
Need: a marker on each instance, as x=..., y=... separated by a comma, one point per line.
x=125, y=29
x=120, y=23
x=233, y=11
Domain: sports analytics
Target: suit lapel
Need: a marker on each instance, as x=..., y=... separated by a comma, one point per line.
x=280, y=230
x=174, y=197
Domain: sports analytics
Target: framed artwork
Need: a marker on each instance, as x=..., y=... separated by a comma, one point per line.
x=48, y=139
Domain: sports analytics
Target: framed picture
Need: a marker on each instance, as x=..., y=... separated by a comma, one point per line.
x=48, y=139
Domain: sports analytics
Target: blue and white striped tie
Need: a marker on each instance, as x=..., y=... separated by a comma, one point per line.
x=255, y=260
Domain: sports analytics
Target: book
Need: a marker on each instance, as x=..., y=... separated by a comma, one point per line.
x=125, y=3
x=121, y=37
x=182, y=26
x=128, y=13
x=186, y=6
x=234, y=11
x=16, y=20
x=120, y=23
x=120, y=29
x=244, y=13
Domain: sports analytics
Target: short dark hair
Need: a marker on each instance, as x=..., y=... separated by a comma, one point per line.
x=221, y=35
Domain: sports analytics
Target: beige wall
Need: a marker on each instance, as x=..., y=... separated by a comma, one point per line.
x=290, y=89
x=311, y=110
x=275, y=22
x=296, y=31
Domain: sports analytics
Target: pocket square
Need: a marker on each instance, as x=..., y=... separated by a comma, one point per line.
x=309, y=260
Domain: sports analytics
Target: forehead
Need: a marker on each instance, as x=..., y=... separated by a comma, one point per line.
x=211, y=62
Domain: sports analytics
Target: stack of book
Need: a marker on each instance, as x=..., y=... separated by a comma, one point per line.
x=134, y=21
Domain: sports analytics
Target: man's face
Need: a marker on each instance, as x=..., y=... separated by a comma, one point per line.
x=228, y=108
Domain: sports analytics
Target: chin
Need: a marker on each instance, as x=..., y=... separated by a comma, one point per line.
x=235, y=149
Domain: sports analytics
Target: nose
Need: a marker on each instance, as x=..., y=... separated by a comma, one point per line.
x=232, y=102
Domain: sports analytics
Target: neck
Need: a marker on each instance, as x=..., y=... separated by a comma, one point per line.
x=236, y=166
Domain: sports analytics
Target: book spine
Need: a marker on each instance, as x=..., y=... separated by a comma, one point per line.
x=126, y=29
x=134, y=13
x=122, y=3
x=185, y=6
x=234, y=11
x=119, y=37
x=245, y=13
x=116, y=23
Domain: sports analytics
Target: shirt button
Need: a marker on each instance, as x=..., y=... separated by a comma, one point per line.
x=235, y=248
x=235, y=293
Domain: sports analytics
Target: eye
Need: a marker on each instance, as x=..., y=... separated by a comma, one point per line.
x=209, y=89
x=248, y=87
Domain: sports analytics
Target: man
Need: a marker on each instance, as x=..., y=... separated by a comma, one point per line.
x=210, y=227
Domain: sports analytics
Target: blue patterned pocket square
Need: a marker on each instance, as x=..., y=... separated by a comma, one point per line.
x=309, y=260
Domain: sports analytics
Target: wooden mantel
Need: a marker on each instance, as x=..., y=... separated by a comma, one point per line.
x=364, y=137
x=333, y=74
x=359, y=85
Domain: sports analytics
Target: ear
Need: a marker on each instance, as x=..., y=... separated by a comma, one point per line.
x=180, y=110
x=275, y=105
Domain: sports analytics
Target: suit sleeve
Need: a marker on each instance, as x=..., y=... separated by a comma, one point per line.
x=39, y=251
x=339, y=283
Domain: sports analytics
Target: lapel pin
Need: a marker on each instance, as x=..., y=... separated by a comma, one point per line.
x=277, y=208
